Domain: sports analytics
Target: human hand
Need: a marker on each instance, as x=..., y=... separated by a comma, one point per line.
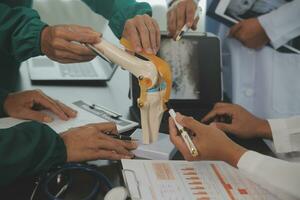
x=62, y=43
x=243, y=123
x=180, y=13
x=91, y=143
x=211, y=143
x=26, y=105
x=250, y=33
x=143, y=33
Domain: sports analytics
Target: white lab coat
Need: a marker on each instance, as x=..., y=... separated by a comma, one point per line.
x=266, y=81
x=280, y=177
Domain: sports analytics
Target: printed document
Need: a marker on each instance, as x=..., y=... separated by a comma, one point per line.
x=202, y=180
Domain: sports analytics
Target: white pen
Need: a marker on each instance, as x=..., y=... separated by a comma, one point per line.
x=184, y=135
x=185, y=28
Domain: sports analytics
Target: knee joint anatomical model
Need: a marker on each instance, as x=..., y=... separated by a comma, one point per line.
x=155, y=81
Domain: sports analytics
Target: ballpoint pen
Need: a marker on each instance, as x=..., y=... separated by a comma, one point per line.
x=185, y=136
x=185, y=28
x=107, y=111
x=120, y=137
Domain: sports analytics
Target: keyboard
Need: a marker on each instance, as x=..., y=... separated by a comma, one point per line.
x=77, y=70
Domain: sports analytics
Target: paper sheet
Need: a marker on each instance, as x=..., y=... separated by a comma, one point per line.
x=85, y=115
x=184, y=180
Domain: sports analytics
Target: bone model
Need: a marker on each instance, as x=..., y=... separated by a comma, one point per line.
x=155, y=81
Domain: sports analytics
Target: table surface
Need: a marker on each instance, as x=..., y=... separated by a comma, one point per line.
x=115, y=96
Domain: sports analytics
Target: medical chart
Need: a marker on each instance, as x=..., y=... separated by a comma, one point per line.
x=182, y=180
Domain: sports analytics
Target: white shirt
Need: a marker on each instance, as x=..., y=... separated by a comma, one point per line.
x=280, y=177
x=265, y=81
x=286, y=134
x=282, y=25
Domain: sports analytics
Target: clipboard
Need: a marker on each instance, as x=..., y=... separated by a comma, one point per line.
x=230, y=20
x=136, y=186
x=153, y=179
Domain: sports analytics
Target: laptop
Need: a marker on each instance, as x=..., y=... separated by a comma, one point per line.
x=43, y=70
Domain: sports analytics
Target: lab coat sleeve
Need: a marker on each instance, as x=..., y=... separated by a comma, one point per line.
x=3, y=95
x=280, y=177
x=286, y=134
x=20, y=32
x=282, y=24
x=118, y=11
x=27, y=149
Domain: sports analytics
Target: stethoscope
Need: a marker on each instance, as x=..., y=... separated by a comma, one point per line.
x=101, y=181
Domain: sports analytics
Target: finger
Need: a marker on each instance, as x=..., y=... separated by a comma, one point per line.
x=158, y=39
x=222, y=104
x=113, y=145
x=152, y=33
x=67, y=55
x=111, y=155
x=133, y=36
x=86, y=29
x=239, y=36
x=191, y=123
x=173, y=132
x=50, y=104
x=195, y=24
x=209, y=116
x=224, y=127
x=130, y=145
x=172, y=23
x=34, y=115
x=144, y=36
x=234, y=29
x=180, y=16
x=72, y=47
x=214, y=113
x=79, y=36
x=105, y=127
x=190, y=14
x=66, y=61
x=67, y=110
x=177, y=140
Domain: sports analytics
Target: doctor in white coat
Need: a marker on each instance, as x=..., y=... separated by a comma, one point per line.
x=264, y=80
x=280, y=177
x=257, y=76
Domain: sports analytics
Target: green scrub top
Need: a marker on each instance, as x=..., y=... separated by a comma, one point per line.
x=20, y=29
x=32, y=147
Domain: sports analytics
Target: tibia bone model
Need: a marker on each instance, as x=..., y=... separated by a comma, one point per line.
x=155, y=81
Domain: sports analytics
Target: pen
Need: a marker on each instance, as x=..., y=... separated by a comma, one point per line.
x=120, y=137
x=97, y=52
x=185, y=28
x=185, y=136
x=107, y=111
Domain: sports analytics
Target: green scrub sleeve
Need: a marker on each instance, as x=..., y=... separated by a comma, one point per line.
x=3, y=95
x=27, y=149
x=118, y=11
x=20, y=31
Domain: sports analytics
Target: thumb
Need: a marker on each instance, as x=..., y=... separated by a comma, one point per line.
x=222, y=126
x=191, y=123
x=36, y=116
